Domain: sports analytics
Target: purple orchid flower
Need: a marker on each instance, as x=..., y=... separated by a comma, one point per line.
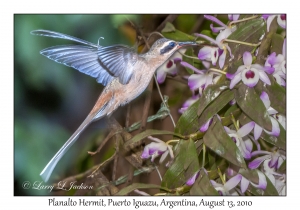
x=157, y=148
x=192, y=180
x=232, y=17
x=278, y=64
x=222, y=26
x=249, y=73
x=275, y=126
x=281, y=20
x=169, y=67
x=202, y=79
x=212, y=53
x=228, y=187
x=245, y=146
x=262, y=182
x=188, y=103
x=273, y=159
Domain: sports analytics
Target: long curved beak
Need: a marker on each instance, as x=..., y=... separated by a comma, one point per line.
x=189, y=43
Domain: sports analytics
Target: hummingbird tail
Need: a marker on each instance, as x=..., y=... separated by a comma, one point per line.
x=47, y=171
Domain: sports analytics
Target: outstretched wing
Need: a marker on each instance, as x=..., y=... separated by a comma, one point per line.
x=80, y=57
x=119, y=60
x=103, y=63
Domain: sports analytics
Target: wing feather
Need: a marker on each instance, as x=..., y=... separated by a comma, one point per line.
x=119, y=60
x=83, y=58
x=103, y=63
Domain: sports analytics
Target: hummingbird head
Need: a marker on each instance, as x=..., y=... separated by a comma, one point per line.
x=163, y=48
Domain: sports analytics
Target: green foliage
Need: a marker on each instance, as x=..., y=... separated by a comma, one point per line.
x=210, y=153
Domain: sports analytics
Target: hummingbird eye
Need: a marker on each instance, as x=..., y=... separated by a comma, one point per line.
x=172, y=44
x=167, y=48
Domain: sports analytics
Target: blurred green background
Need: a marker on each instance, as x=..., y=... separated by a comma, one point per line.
x=51, y=100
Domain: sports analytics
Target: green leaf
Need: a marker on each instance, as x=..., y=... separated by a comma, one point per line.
x=147, y=133
x=215, y=106
x=202, y=186
x=228, y=119
x=218, y=140
x=276, y=93
x=188, y=121
x=251, y=175
x=210, y=94
x=250, y=32
x=276, y=44
x=252, y=106
x=282, y=168
x=169, y=27
x=264, y=48
x=279, y=141
x=193, y=62
x=270, y=189
x=135, y=186
x=221, y=164
x=231, y=109
x=176, y=35
x=184, y=167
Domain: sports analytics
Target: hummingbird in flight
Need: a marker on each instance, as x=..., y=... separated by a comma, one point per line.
x=124, y=73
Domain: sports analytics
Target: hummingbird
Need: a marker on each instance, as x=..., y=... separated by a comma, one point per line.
x=124, y=73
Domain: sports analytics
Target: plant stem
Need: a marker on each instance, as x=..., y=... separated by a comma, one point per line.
x=240, y=42
x=163, y=100
x=217, y=70
x=242, y=20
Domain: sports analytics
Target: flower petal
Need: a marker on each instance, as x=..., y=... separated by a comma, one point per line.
x=185, y=64
x=232, y=17
x=281, y=20
x=223, y=35
x=222, y=59
x=192, y=180
x=246, y=129
x=269, y=21
x=244, y=184
x=214, y=19
x=265, y=16
x=235, y=80
x=262, y=181
x=215, y=29
x=171, y=151
x=275, y=128
x=247, y=58
x=204, y=53
x=206, y=37
x=161, y=75
x=279, y=80
x=234, y=181
x=269, y=69
x=163, y=156
x=264, y=77
x=257, y=161
x=204, y=127
x=248, y=144
x=257, y=131
x=265, y=99
x=271, y=60
x=196, y=81
x=230, y=76
x=206, y=64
